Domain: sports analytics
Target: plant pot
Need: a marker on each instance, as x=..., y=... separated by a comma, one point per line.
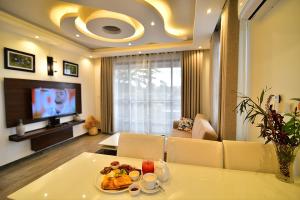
x=93, y=131
x=286, y=155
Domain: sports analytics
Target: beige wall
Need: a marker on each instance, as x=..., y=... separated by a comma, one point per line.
x=274, y=56
x=10, y=151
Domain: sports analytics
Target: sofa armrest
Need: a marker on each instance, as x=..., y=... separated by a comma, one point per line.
x=175, y=124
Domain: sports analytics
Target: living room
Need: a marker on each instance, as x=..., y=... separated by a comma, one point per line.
x=151, y=93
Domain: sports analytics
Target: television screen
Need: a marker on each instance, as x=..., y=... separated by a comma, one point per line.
x=49, y=102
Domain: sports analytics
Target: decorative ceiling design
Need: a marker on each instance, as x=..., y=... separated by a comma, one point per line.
x=86, y=19
x=91, y=21
x=166, y=13
x=123, y=25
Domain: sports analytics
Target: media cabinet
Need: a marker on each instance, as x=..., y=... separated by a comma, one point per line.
x=46, y=137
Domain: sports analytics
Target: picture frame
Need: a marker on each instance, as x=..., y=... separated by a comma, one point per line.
x=19, y=60
x=70, y=69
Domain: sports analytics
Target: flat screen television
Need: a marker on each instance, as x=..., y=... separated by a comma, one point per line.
x=50, y=102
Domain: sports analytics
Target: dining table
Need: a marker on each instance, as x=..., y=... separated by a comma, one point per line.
x=76, y=179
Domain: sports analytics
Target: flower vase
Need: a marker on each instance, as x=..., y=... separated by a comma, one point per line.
x=286, y=155
x=20, y=129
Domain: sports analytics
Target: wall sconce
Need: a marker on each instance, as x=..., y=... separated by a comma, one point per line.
x=50, y=66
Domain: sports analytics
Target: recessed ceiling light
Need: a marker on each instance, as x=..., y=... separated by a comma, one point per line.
x=91, y=56
x=200, y=47
x=208, y=11
x=129, y=43
x=140, y=52
x=77, y=35
x=152, y=23
x=37, y=37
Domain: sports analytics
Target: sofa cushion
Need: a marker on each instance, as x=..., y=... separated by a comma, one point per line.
x=202, y=129
x=185, y=124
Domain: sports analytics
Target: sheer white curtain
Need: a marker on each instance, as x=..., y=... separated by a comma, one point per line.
x=147, y=92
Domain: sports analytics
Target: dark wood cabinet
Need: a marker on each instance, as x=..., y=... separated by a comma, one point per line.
x=45, y=137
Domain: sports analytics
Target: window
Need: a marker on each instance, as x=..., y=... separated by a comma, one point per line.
x=147, y=92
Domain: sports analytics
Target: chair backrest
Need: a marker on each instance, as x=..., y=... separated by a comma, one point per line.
x=250, y=156
x=202, y=129
x=149, y=147
x=195, y=152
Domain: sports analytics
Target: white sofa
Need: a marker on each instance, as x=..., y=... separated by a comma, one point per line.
x=201, y=129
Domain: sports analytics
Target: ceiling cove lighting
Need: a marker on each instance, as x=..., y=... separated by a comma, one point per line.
x=208, y=11
x=165, y=11
x=83, y=16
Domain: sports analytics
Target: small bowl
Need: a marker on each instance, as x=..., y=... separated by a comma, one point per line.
x=134, y=175
x=115, y=165
x=134, y=189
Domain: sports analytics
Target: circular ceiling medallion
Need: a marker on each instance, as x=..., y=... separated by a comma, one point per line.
x=111, y=29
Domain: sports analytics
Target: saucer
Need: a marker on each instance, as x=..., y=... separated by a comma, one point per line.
x=154, y=190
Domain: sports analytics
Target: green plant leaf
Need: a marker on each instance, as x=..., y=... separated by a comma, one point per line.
x=261, y=97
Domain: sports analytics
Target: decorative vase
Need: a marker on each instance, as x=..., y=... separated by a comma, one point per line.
x=76, y=118
x=93, y=131
x=20, y=129
x=286, y=155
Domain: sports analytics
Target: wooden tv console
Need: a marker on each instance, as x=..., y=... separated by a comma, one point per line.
x=48, y=136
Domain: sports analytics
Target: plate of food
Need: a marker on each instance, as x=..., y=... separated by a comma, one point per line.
x=116, y=179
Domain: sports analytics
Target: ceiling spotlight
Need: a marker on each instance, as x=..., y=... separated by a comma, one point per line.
x=140, y=52
x=208, y=11
x=129, y=44
x=152, y=23
x=200, y=47
x=77, y=35
x=37, y=37
x=91, y=56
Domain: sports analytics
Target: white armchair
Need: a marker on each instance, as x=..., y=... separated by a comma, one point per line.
x=195, y=152
x=150, y=147
x=250, y=156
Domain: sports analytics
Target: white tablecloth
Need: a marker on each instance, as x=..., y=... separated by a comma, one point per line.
x=75, y=180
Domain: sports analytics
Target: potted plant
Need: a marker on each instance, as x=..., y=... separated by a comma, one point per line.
x=281, y=129
x=91, y=124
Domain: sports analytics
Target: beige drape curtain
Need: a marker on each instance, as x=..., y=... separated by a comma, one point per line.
x=215, y=80
x=192, y=62
x=229, y=69
x=106, y=95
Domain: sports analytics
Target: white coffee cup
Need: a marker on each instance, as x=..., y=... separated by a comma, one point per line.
x=149, y=181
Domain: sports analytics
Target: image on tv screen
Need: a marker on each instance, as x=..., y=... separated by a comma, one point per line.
x=48, y=102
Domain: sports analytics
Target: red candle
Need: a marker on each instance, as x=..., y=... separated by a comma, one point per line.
x=148, y=166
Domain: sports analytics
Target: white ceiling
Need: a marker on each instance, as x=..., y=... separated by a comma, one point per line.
x=187, y=15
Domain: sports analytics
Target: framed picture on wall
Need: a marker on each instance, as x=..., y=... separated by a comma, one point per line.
x=18, y=60
x=70, y=69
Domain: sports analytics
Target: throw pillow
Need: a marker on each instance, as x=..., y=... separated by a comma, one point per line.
x=185, y=124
